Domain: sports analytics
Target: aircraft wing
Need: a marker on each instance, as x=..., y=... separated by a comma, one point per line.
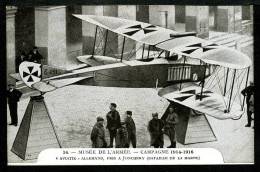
x=97, y=60
x=15, y=76
x=189, y=46
x=211, y=104
x=88, y=70
x=138, y=31
x=47, y=86
x=206, y=51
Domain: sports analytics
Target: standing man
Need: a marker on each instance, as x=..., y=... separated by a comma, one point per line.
x=98, y=134
x=122, y=136
x=248, y=92
x=113, y=122
x=36, y=56
x=155, y=127
x=13, y=96
x=131, y=130
x=169, y=128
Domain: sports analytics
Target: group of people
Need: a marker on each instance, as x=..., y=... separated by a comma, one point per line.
x=124, y=131
x=32, y=56
x=158, y=127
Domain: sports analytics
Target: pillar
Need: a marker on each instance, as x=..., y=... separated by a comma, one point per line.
x=179, y=13
x=142, y=13
x=162, y=15
x=229, y=19
x=50, y=34
x=24, y=29
x=10, y=42
x=197, y=19
x=246, y=12
x=74, y=33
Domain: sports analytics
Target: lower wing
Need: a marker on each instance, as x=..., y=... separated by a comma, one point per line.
x=51, y=85
x=209, y=103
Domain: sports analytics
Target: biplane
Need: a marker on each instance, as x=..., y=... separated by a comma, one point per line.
x=186, y=70
x=182, y=66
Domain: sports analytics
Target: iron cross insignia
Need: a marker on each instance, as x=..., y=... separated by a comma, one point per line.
x=30, y=72
x=137, y=28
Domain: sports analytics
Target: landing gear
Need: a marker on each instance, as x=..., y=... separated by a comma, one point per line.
x=197, y=113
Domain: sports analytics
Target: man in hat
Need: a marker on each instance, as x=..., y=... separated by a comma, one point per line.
x=13, y=96
x=98, y=134
x=169, y=128
x=36, y=56
x=249, y=92
x=122, y=136
x=155, y=127
x=113, y=122
x=131, y=130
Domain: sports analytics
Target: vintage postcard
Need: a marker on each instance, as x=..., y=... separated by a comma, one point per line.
x=130, y=84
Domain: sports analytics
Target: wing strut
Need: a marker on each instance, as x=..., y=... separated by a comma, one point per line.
x=245, y=86
x=225, y=88
x=182, y=72
x=93, y=52
x=148, y=52
x=123, y=49
x=143, y=51
x=160, y=54
x=104, y=52
x=229, y=103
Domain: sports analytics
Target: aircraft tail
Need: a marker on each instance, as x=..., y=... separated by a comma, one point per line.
x=37, y=76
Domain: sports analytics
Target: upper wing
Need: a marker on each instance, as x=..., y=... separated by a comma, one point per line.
x=206, y=51
x=189, y=46
x=97, y=60
x=138, y=31
x=212, y=104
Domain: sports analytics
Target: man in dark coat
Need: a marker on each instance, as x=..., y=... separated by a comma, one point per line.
x=21, y=58
x=122, y=137
x=169, y=128
x=30, y=57
x=248, y=92
x=98, y=134
x=36, y=56
x=131, y=130
x=113, y=122
x=13, y=96
x=155, y=127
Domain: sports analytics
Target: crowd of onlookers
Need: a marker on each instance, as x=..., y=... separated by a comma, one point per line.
x=32, y=56
x=124, y=131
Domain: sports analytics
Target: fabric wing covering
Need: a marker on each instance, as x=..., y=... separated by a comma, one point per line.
x=189, y=46
x=138, y=31
x=206, y=51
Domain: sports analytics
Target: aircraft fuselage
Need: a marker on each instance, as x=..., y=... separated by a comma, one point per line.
x=147, y=76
